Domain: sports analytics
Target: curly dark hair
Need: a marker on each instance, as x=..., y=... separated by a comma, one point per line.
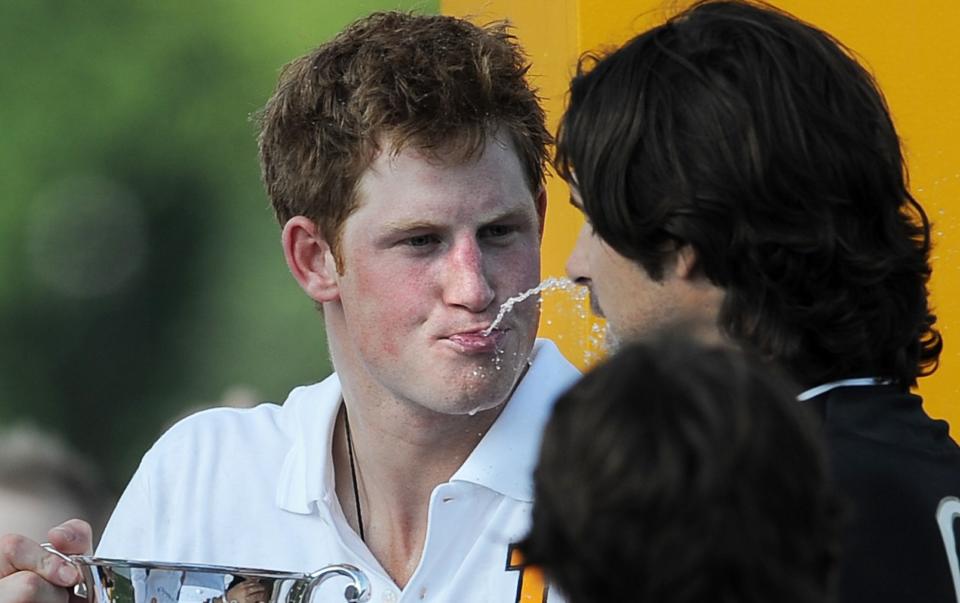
x=393, y=79
x=680, y=473
x=761, y=142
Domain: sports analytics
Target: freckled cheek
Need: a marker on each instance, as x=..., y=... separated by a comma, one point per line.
x=398, y=302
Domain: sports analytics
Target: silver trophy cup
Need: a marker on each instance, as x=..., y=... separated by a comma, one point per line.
x=121, y=581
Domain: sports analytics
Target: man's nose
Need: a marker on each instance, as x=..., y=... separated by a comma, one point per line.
x=467, y=284
x=578, y=269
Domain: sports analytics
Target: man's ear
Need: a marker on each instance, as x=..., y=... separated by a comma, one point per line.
x=541, y=203
x=310, y=259
x=687, y=266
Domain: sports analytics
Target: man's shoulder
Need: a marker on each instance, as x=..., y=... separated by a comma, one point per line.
x=921, y=462
x=227, y=431
x=218, y=430
x=882, y=422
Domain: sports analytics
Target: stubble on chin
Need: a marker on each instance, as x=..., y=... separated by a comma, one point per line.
x=612, y=341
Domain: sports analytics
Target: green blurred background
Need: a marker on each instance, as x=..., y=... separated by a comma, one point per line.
x=141, y=275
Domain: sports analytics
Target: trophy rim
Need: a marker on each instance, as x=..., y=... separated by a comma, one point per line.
x=106, y=562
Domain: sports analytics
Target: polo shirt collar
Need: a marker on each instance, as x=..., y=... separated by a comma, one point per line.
x=308, y=418
x=819, y=390
x=504, y=459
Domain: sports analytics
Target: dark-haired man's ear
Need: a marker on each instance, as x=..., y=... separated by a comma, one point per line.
x=310, y=259
x=687, y=264
x=541, y=203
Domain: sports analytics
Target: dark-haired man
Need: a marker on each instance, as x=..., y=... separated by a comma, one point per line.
x=739, y=170
x=405, y=162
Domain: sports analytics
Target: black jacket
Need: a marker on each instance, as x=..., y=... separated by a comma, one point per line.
x=898, y=468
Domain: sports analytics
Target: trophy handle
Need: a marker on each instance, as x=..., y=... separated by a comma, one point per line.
x=81, y=588
x=357, y=592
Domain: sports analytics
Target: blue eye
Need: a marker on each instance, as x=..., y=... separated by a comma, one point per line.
x=421, y=240
x=497, y=230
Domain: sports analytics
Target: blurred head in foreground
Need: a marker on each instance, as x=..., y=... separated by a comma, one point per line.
x=43, y=483
x=678, y=472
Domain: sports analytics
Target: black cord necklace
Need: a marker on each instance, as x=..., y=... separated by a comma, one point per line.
x=353, y=473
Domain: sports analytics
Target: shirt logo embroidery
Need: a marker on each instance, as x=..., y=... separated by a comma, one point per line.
x=531, y=585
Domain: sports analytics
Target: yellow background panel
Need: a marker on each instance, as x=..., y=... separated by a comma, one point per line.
x=912, y=49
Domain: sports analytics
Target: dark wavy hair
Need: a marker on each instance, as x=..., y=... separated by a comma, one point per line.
x=679, y=473
x=437, y=82
x=758, y=140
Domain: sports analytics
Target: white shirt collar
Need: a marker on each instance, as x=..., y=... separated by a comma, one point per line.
x=503, y=460
x=308, y=417
x=813, y=392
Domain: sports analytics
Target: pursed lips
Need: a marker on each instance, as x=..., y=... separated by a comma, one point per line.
x=474, y=341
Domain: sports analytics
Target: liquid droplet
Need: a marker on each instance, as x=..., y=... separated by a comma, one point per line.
x=507, y=306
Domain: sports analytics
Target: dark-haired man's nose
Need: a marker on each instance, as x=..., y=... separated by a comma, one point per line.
x=578, y=266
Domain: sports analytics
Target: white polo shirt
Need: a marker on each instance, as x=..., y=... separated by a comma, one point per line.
x=255, y=488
